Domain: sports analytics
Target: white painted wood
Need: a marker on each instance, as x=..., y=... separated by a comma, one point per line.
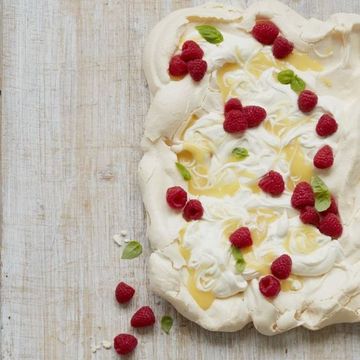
x=74, y=99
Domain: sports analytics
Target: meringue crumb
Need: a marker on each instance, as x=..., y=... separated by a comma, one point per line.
x=123, y=232
x=127, y=240
x=106, y=344
x=95, y=348
x=117, y=239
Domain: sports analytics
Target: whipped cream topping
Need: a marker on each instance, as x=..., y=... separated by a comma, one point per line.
x=201, y=279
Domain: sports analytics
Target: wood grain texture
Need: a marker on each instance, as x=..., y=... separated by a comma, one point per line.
x=74, y=100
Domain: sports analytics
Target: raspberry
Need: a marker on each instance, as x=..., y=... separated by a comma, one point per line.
x=269, y=286
x=235, y=121
x=324, y=158
x=191, y=51
x=281, y=267
x=124, y=293
x=309, y=215
x=143, y=317
x=125, y=343
x=232, y=104
x=326, y=125
x=197, y=69
x=254, y=115
x=176, y=197
x=177, y=67
x=282, y=47
x=193, y=210
x=302, y=196
x=307, y=101
x=265, y=32
x=330, y=225
x=272, y=183
x=241, y=238
x=333, y=208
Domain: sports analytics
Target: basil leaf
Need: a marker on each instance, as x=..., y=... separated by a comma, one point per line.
x=322, y=194
x=240, y=153
x=240, y=263
x=297, y=84
x=132, y=250
x=183, y=171
x=285, y=76
x=166, y=323
x=210, y=33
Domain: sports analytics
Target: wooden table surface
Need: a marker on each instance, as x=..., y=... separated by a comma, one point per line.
x=74, y=100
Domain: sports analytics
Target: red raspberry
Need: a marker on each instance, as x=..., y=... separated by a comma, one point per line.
x=191, y=51
x=125, y=343
x=307, y=101
x=265, y=32
x=330, y=225
x=176, y=197
x=309, y=215
x=177, y=67
x=232, y=104
x=124, y=293
x=326, y=125
x=272, y=183
x=324, y=158
x=193, y=210
x=333, y=208
x=282, y=47
x=143, y=317
x=269, y=286
x=241, y=238
x=197, y=69
x=235, y=121
x=255, y=115
x=302, y=196
x=281, y=267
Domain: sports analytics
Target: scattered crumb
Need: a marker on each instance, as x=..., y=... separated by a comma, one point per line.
x=117, y=239
x=123, y=232
x=95, y=348
x=127, y=240
x=106, y=344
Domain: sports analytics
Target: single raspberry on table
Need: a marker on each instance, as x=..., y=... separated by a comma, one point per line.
x=309, y=215
x=241, y=238
x=177, y=66
x=193, y=210
x=255, y=115
x=197, y=69
x=282, y=47
x=281, y=267
x=330, y=225
x=333, y=208
x=232, y=104
x=326, y=125
x=307, y=101
x=124, y=292
x=324, y=158
x=269, y=286
x=235, y=121
x=265, y=32
x=302, y=196
x=125, y=343
x=143, y=317
x=191, y=51
x=176, y=197
x=272, y=183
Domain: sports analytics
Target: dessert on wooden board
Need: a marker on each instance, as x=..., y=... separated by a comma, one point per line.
x=250, y=176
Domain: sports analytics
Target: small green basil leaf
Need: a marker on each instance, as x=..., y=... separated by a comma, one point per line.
x=240, y=153
x=132, y=250
x=297, y=84
x=210, y=33
x=285, y=76
x=183, y=171
x=166, y=323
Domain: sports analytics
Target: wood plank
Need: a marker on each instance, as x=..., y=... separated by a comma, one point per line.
x=74, y=103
